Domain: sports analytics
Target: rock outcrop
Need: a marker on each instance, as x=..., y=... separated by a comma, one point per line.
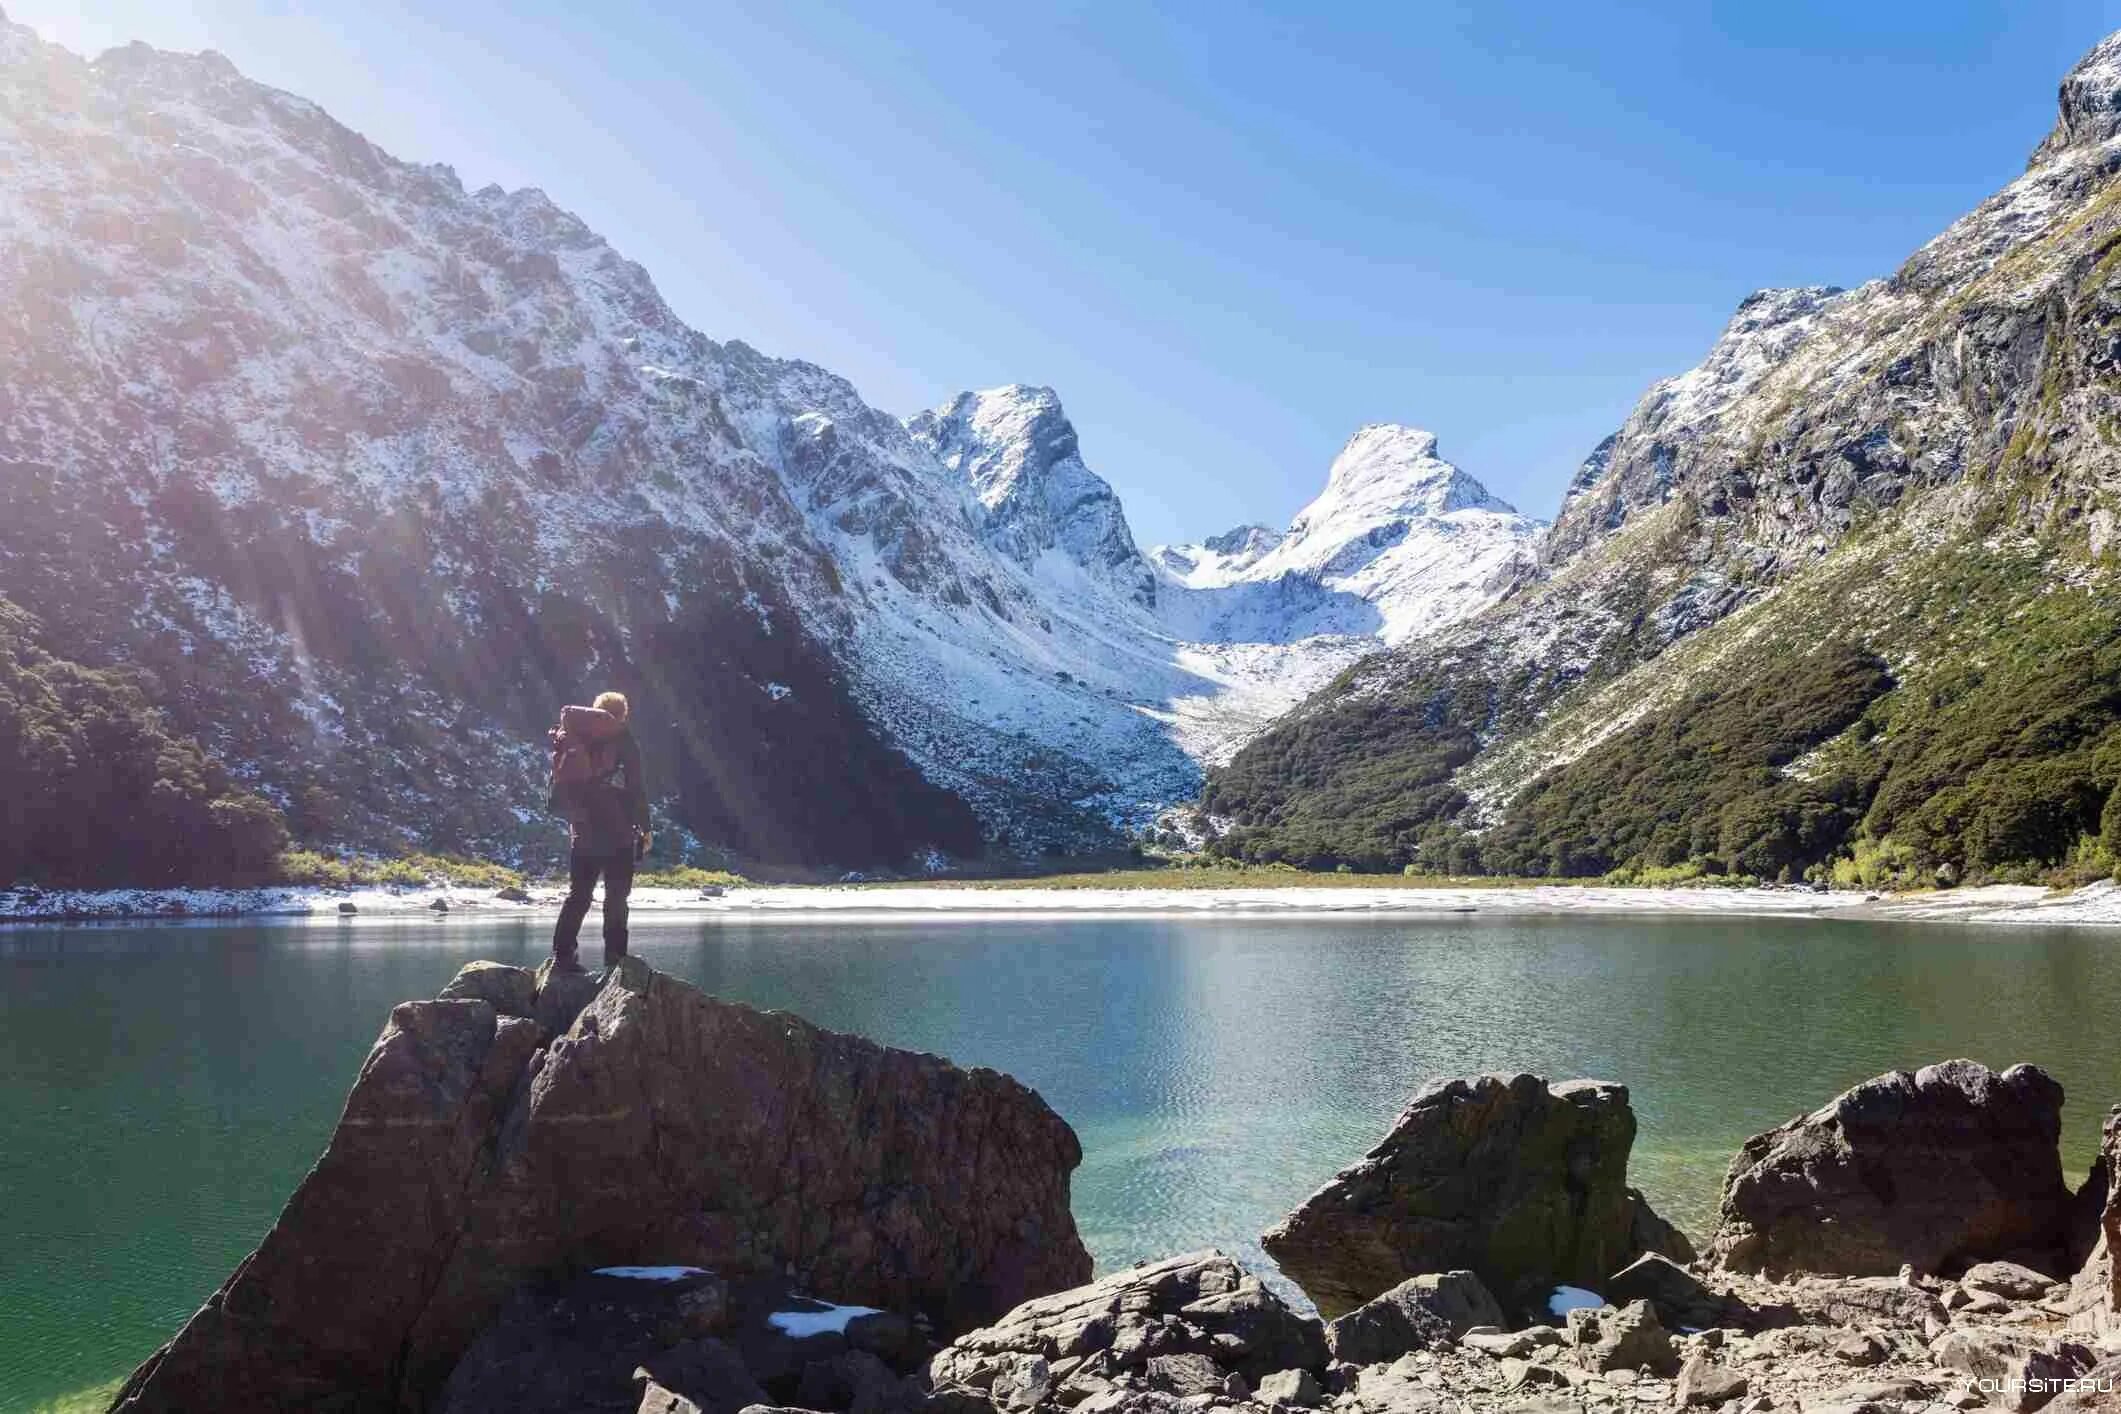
x=479, y=1149
x=1113, y=1334
x=1429, y=1310
x=1934, y=1169
x=1522, y=1183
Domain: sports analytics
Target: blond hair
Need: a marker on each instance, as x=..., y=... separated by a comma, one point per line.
x=612, y=702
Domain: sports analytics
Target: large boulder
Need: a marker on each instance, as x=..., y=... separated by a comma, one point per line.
x=1936, y=1169
x=1522, y=1183
x=661, y=1126
x=1433, y=1309
x=1106, y=1336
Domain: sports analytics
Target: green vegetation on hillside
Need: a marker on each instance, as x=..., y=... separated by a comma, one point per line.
x=1989, y=750
x=1703, y=780
x=95, y=789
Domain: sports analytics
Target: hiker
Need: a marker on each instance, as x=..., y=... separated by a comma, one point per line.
x=596, y=784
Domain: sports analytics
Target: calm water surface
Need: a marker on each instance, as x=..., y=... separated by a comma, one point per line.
x=162, y=1089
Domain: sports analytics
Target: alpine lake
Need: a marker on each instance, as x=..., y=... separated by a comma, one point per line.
x=167, y=1085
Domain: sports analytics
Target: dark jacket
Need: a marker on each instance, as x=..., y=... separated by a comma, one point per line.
x=605, y=814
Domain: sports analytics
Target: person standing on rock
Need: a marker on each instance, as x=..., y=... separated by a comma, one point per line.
x=597, y=785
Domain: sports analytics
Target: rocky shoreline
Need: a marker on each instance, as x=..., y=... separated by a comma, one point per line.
x=573, y=1193
x=2096, y=904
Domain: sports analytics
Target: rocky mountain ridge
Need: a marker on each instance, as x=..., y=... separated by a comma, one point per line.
x=366, y=472
x=1922, y=472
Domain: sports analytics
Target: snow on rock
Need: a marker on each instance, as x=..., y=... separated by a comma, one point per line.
x=825, y=1319
x=1400, y=543
x=652, y=1273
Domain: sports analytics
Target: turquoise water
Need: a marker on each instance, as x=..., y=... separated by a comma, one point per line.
x=166, y=1087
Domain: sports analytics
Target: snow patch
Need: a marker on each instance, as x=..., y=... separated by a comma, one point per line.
x=801, y=1325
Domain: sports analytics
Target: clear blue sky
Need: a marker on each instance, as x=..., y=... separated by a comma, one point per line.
x=1227, y=237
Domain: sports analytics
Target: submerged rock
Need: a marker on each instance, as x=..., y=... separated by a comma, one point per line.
x=1521, y=1183
x=478, y=1150
x=1948, y=1165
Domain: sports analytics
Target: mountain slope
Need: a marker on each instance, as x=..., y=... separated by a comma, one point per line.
x=367, y=473
x=1921, y=469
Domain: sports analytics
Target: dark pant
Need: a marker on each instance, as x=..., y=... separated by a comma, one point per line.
x=582, y=872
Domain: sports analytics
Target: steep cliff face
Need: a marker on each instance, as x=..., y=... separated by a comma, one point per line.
x=1017, y=451
x=1855, y=465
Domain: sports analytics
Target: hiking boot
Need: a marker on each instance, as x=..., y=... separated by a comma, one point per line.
x=567, y=962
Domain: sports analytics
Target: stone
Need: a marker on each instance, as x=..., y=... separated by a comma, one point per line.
x=703, y=1376
x=1950, y=1164
x=349, y=906
x=1630, y=1338
x=2007, y=1279
x=1522, y=1183
x=440, y=905
x=660, y=1126
x=1183, y=1375
x=575, y=1345
x=1419, y=1312
x=859, y=1383
x=1298, y=1389
x=1498, y=1345
x=1862, y=1349
x=1020, y=1381
x=512, y=893
x=1702, y=1382
x=1681, y=1299
x=1201, y=1303
x=2021, y=1370
x=511, y=991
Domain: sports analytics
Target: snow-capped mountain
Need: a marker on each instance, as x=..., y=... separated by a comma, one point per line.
x=1036, y=498
x=1921, y=474
x=1404, y=542
x=372, y=471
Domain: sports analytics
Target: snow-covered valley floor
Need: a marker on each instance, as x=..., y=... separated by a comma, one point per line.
x=1993, y=904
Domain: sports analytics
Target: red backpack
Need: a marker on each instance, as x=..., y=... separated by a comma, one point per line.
x=578, y=765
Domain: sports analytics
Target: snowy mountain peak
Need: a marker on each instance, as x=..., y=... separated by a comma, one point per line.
x=1015, y=450
x=1390, y=470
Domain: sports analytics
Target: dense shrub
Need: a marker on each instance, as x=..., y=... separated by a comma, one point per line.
x=95, y=790
x=1703, y=781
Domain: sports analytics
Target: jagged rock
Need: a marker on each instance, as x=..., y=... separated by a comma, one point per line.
x=1862, y=1350
x=857, y=1382
x=1296, y=1389
x=511, y=991
x=697, y=1377
x=2023, y=1370
x=1680, y=1298
x=561, y=995
x=1201, y=1303
x=1630, y=1338
x=1522, y=1183
x=1184, y=1375
x=1703, y=1382
x=661, y=1126
x=1434, y=1309
x=575, y=1346
x=2007, y=1279
x=1947, y=1165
